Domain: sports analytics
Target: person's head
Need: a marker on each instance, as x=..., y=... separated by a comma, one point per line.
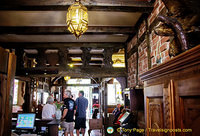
x=67, y=94
x=81, y=93
x=118, y=106
x=50, y=100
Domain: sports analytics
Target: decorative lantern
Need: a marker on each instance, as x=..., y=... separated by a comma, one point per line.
x=77, y=19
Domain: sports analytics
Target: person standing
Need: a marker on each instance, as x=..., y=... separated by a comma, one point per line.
x=95, y=109
x=69, y=110
x=116, y=110
x=49, y=110
x=82, y=105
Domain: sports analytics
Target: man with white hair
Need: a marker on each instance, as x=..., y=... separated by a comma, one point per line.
x=49, y=110
x=68, y=113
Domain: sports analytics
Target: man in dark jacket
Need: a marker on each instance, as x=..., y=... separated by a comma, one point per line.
x=69, y=110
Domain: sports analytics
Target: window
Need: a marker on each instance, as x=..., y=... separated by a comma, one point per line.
x=15, y=93
x=45, y=96
x=111, y=94
x=79, y=81
x=114, y=93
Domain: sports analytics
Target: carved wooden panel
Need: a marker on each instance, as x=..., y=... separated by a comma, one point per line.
x=191, y=115
x=155, y=116
x=188, y=94
x=168, y=103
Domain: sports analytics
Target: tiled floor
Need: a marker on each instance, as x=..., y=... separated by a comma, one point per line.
x=93, y=133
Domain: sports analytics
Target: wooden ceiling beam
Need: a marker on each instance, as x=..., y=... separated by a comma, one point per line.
x=48, y=30
x=92, y=5
x=69, y=55
x=34, y=45
x=73, y=72
x=89, y=7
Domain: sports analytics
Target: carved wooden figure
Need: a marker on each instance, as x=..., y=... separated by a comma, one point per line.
x=182, y=19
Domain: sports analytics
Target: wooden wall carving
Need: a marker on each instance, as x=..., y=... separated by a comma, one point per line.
x=168, y=103
x=156, y=117
x=153, y=109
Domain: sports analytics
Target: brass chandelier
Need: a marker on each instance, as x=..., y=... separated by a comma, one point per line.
x=77, y=19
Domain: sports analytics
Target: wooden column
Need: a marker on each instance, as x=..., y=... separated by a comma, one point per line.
x=9, y=93
x=41, y=59
x=2, y=102
x=3, y=84
x=108, y=57
x=86, y=56
x=148, y=44
x=63, y=57
x=105, y=106
x=7, y=75
x=137, y=59
x=20, y=62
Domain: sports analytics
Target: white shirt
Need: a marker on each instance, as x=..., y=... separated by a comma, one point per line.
x=47, y=111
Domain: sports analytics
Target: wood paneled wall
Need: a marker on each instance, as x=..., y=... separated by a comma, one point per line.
x=172, y=96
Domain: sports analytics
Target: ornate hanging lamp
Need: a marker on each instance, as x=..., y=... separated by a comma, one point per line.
x=77, y=19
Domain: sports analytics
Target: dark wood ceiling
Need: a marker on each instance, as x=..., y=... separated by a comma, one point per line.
x=36, y=24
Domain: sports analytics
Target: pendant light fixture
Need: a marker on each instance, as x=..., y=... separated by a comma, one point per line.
x=77, y=19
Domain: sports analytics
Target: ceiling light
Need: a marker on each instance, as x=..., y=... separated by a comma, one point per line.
x=71, y=65
x=67, y=78
x=77, y=19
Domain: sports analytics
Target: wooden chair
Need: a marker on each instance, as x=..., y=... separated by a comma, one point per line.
x=95, y=124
